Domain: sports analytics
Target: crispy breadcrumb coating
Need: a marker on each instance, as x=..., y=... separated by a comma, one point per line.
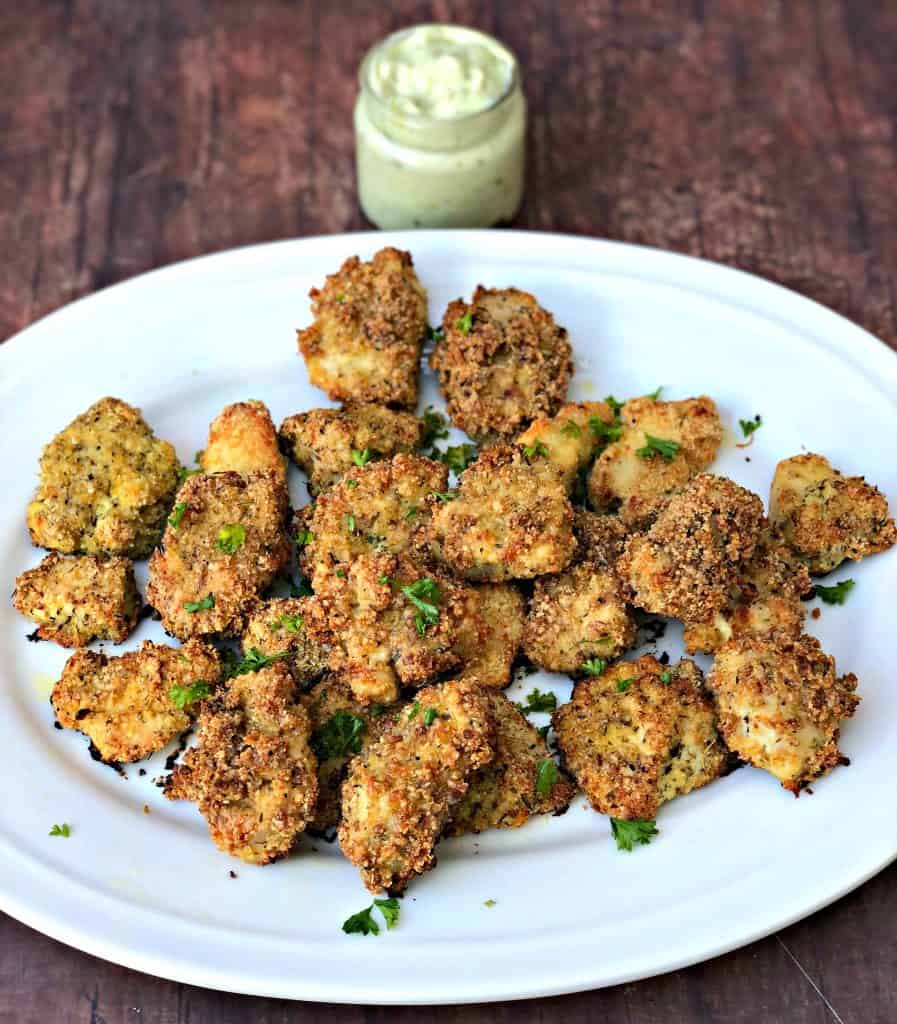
x=570, y=438
x=490, y=633
x=225, y=542
x=639, y=735
x=322, y=441
x=401, y=791
x=686, y=564
x=242, y=440
x=505, y=793
x=601, y=538
x=780, y=705
x=825, y=517
x=106, y=484
x=639, y=487
x=293, y=624
x=125, y=705
x=252, y=774
x=76, y=600
x=369, y=328
x=502, y=362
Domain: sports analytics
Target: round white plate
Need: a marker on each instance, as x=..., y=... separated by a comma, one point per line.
x=139, y=882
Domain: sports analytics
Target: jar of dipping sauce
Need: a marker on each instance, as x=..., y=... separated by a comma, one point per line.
x=440, y=125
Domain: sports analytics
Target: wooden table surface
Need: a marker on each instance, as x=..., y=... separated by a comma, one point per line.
x=760, y=133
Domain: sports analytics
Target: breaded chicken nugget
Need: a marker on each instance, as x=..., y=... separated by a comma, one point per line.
x=106, y=484
x=328, y=443
x=225, y=542
x=640, y=735
x=134, y=705
x=252, y=774
x=401, y=792
x=601, y=538
x=638, y=476
x=290, y=624
x=381, y=507
x=369, y=328
x=577, y=615
x=687, y=563
x=570, y=438
x=76, y=600
x=825, y=517
x=490, y=632
x=242, y=440
x=502, y=361
x=520, y=781
x=780, y=705
x=510, y=520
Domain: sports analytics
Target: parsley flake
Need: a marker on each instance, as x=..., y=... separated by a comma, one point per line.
x=435, y=427
x=749, y=426
x=177, y=514
x=231, y=538
x=594, y=666
x=351, y=484
x=614, y=405
x=606, y=432
x=489, y=903
x=624, y=684
x=430, y=716
x=304, y=537
x=182, y=696
x=571, y=429
x=362, y=923
x=630, y=834
x=390, y=909
x=300, y=588
x=338, y=736
x=384, y=579
x=458, y=457
x=536, y=700
x=547, y=775
x=64, y=830
x=252, y=661
x=655, y=394
x=666, y=677
x=200, y=606
x=425, y=595
x=464, y=323
x=443, y=496
x=836, y=594
x=657, y=446
x=414, y=711
x=361, y=458
x=350, y=523
x=184, y=473
x=531, y=451
x=288, y=623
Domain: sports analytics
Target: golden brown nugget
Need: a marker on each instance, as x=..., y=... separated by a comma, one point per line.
x=687, y=563
x=328, y=443
x=76, y=600
x=520, y=781
x=400, y=792
x=502, y=362
x=385, y=506
x=825, y=517
x=570, y=438
x=490, y=633
x=630, y=476
x=242, y=440
x=106, y=484
x=252, y=774
x=292, y=626
x=780, y=706
x=225, y=542
x=131, y=706
x=369, y=329
x=601, y=538
x=511, y=519
x=639, y=735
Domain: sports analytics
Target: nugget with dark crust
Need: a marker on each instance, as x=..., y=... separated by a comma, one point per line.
x=502, y=362
x=106, y=484
x=510, y=520
x=490, y=632
x=780, y=705
x=687, y=563
x=639, y=735
x=296, y=625
x=242, y=440
x=133, y=705
x=825, y=517
x=639, y=485
x=252, y=774
x=601, y=538
x=520, y=781
x=401, y=791
x=328, y=443
x=76, y=600
x=369, y=328
x=225, y=542
x=570, y=438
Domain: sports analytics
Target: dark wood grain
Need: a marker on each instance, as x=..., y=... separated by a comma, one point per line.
x=761, y=134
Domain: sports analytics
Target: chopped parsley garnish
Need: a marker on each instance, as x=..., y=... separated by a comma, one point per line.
x=184, y=473
x=177, y=514
x=304, y=537
x=383, y=579
x=341, y=298
x=350, y=523
x=435, y=427
x=425, y=595
x=300, y=589
x=623, y=685
x=253, y=661
x=411, y=513
x=657, y=446
x=341, y=574
x=630, y=834
x=543, y=731
x=536, y=700
x=594, y=666
x=531, y=451
x=362, y=923
x=361, y=458
x=547, y=775
x=749, y=426
x=443, y=496
x=63, y=830
x=614, y=404
x=571, y=429
x=836, y=594
x=389, y=908
x=414, y=711
x=430, y=716
x=655, y=394
x=458, y=457
x=231, y=538
x=435, y=333
x=339, y=735
x=488, y=903
x=464, y=323
x=181, y=696
x=351, y=484
x=666, y=677
x=289, y=623
x=606, y=432
x=200, y=606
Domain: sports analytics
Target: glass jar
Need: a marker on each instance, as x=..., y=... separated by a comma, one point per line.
x=440, y=126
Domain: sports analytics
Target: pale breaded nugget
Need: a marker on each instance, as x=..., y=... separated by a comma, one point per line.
x=686, y=564
x=75, y=600
x=106, y=484
x=401, y=791
x=520, y=781
x=242, y=440
x=639, y=735
x=328, y=443
x=780, y=705
x=392, y=622
x=570, y=438
x=764, y=602
x=601, y=538
x=133, y=705
x=252, y=774
x=225, y=542
x=825, y=517
x=490, y=633
x=382, y=507
x=369, y=329
x=502, y=361
x=639, y=485
x=575, y=616
x=289, y=624
x=511, y=519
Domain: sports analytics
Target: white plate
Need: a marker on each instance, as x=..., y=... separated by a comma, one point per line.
x=733, y=862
